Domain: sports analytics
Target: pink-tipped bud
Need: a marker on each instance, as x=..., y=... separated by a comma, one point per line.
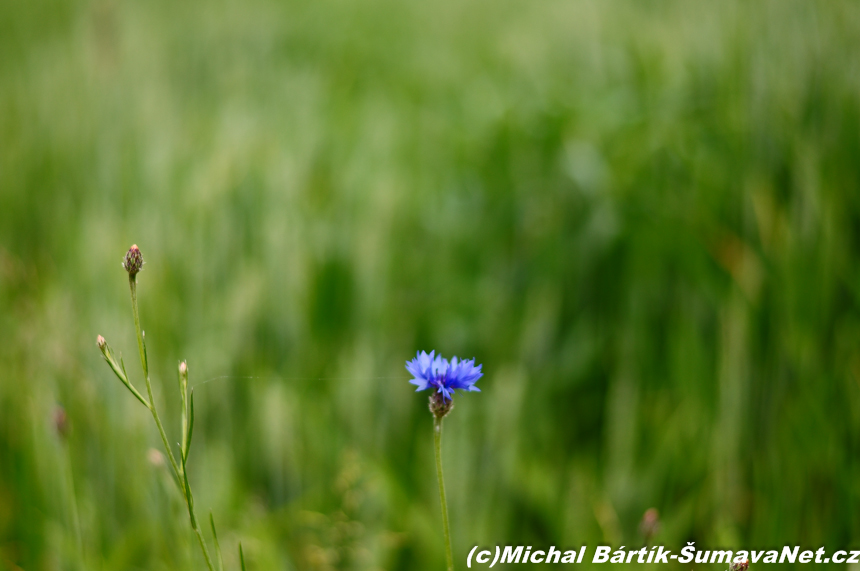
x=183, y=379
x=100, y=341
x=133, y=261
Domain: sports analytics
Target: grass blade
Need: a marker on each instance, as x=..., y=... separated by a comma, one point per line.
x=217, y=545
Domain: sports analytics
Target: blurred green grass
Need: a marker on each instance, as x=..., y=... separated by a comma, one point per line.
x=642, y=218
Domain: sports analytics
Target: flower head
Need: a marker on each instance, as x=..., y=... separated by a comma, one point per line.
x=433, y=372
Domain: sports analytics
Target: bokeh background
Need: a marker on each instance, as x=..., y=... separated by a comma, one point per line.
x=643, y=218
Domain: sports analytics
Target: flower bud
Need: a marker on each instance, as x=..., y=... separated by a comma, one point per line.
x=183, y=380
x=100, y=341
x=740, y=566
x=133, y=261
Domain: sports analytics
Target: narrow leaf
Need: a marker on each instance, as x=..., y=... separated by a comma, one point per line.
x=188, y=497
x=187, y=446
x=145, y=356
x=119, y=371
x=217, y=546
x=241, y=556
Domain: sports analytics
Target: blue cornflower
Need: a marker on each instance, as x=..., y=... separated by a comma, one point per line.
x=433, y=372
x=443, y=378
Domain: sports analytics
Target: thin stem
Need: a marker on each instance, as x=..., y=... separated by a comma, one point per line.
x=203, y=548
x=189, y=500
x=132, y=282
x=437, y=441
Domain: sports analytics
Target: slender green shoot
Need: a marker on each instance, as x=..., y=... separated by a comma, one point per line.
x=133, y=263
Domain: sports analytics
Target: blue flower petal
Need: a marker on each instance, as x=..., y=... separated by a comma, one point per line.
x=433, y=371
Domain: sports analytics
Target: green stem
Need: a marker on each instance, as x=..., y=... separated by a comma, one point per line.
x=180, y=474
x=203, y=548
x=189, y=500
x=437, y=440
x=132, y=282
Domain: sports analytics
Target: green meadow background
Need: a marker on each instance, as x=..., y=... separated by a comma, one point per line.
x=643, y=218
